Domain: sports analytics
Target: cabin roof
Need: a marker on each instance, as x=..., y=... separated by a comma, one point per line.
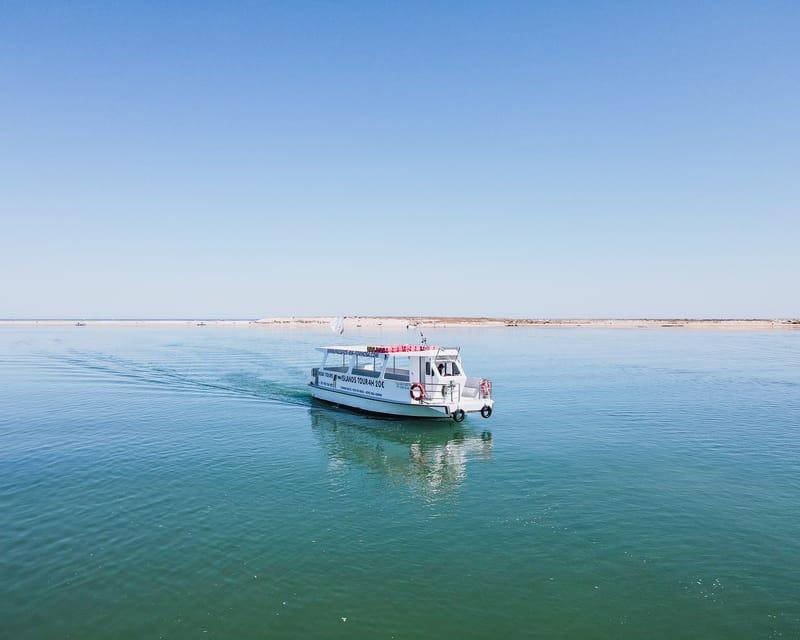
x=394, y=350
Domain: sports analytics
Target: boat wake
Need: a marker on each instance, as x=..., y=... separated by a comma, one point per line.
x=191, y=379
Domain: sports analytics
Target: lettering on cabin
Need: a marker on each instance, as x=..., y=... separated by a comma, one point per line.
x=372, y=382
x=332, y=379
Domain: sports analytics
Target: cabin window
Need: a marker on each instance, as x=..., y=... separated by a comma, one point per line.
x=335, y=362
x=448, y=368
x=367, y=366
x=398, y=369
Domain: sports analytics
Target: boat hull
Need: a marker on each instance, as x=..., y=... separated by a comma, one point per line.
x=386, y=407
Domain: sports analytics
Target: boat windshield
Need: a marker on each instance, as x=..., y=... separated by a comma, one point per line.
x=447, y=367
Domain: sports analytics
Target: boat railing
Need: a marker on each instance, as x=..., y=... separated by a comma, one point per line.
x=400, y=375
x=344, y=369
x=478, y=388
x=455, y=391
x=450, y=392
x=369, y=373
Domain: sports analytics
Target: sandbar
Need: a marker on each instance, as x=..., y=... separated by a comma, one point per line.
x=439, y=322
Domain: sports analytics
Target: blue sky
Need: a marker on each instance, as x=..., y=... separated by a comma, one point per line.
x=243, y=160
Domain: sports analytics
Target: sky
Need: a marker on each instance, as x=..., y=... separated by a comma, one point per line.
x=505, y=159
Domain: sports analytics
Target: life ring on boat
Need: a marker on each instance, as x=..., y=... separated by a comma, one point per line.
x=486, y=388
x=417, y=391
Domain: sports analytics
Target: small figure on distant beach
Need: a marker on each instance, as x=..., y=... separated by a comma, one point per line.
x=337, y=325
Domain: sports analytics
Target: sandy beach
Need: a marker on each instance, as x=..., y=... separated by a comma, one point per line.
x=434, y=322
x=609, y=323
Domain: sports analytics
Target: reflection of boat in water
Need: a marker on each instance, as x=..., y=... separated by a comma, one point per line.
x=430, y=460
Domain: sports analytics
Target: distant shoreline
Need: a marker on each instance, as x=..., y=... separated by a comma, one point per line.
x=431, y=322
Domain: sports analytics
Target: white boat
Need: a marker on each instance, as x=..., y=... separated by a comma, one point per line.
x=417, y=381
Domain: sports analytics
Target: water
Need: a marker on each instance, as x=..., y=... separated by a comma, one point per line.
x=179, y=482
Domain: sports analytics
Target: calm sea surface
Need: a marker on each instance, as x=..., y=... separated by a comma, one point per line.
x=180, y=483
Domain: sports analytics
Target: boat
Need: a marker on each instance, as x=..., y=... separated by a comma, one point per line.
x=416, y=381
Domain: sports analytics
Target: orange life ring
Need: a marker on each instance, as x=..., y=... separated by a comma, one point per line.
x=416, y=387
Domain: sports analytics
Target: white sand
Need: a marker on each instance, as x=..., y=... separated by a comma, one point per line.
x=397, y=322
x=442, y=322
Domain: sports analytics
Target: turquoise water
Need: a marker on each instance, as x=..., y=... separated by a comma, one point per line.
x=179, y=482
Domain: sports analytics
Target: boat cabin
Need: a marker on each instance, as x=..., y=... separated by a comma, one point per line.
x=405, y=364
x=433, y=367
